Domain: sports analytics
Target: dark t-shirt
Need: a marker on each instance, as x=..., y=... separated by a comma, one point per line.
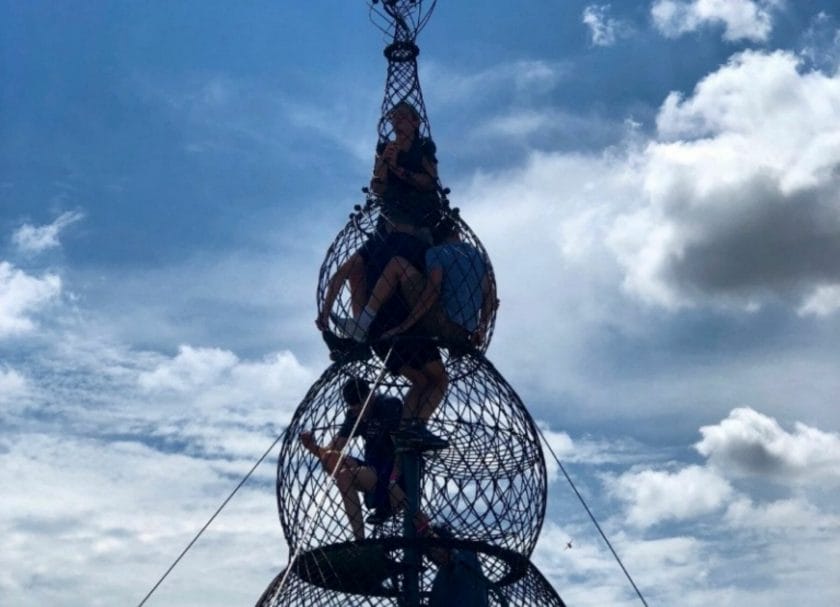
x=375, y=430
x=422, y=206
x=376, y=253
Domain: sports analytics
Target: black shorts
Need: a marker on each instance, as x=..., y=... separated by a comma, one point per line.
x=379, y=498
x=413, y=350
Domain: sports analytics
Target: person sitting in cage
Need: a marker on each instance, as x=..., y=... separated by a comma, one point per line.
x=412, y=356
x=455, y=302
x=405, y=169
x=370, y=476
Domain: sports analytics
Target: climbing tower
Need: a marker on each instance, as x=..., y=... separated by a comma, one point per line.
x=483, y=494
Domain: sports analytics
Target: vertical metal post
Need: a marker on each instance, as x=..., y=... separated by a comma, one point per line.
x=412, y=556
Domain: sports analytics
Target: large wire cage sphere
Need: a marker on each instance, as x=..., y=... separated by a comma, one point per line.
x=489, y=485
x=296, y=588
x=368, y=228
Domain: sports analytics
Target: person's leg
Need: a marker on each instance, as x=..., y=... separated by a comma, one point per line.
x=352, y=504
x=358, y=288
x=418, y=381
x=436, y=383
x=398, y=273
x=428, y=386
x=350, y=479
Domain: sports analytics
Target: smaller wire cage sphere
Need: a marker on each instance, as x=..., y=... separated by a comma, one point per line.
x=489, y=485
x=372, y=248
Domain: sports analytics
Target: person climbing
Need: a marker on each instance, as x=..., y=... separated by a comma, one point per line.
x=412, y=357
x=405, y=169
x=370, y=476
x=457, y=299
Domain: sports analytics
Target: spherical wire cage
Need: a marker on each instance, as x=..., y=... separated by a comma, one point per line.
x=488, y=486
x=368, y=227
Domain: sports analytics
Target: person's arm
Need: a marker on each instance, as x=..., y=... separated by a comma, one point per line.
x=489, y=305
x=328, y=456
x=380, y=173
x=353, y=264
x=430, y=295
x=425, y=180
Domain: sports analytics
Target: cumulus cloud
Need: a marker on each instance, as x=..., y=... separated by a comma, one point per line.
x=21, y=295
x=191, y=368
x=35, y=239
x=824, y=301
x=741, y=19
x=789, y=515
x=740, y=189
x=603, y=29
x=654, y=496
x=12, y=385
x=81, y=505
x=750, y=443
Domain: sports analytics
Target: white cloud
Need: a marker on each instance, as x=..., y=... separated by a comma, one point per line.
x=584, y=450
x=191, y=368
x=79, y=513
x=525, y=78
x=603, y=29
x=790, y=516
x=35, y=239
x=824, y=301
x=742, y=19
x=13, y=385
x=655, y=496
x=750, y=443
x=213, y=376
x=740, y=193
x=21, y=295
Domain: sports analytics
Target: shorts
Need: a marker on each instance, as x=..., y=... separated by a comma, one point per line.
x=411, y=349
x=379, y=498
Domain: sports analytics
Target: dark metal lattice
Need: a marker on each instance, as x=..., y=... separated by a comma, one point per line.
x=401, y=21
x=327, y=576
x=469, y=512
x=364, y=226
x=489, y=485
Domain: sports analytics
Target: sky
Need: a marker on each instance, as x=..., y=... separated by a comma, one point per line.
x=656, y=183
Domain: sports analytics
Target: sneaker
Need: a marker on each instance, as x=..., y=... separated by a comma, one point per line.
x=349, y=327
x=344, y=348
x=379, y=516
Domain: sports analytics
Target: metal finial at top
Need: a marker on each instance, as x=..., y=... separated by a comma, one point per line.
x=401, y=19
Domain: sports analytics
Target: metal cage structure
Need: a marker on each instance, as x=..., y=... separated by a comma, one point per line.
x=463, y=517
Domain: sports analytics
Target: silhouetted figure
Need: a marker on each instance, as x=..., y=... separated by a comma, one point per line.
x=370, y=476
x=405, y=169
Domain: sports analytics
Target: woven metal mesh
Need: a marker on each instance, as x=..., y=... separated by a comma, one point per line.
x=364, y=227
x=489, y=485
x=401, y=21
x=367, y=574
x=485, y=494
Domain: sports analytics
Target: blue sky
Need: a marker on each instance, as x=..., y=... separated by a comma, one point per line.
x=655, y=182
